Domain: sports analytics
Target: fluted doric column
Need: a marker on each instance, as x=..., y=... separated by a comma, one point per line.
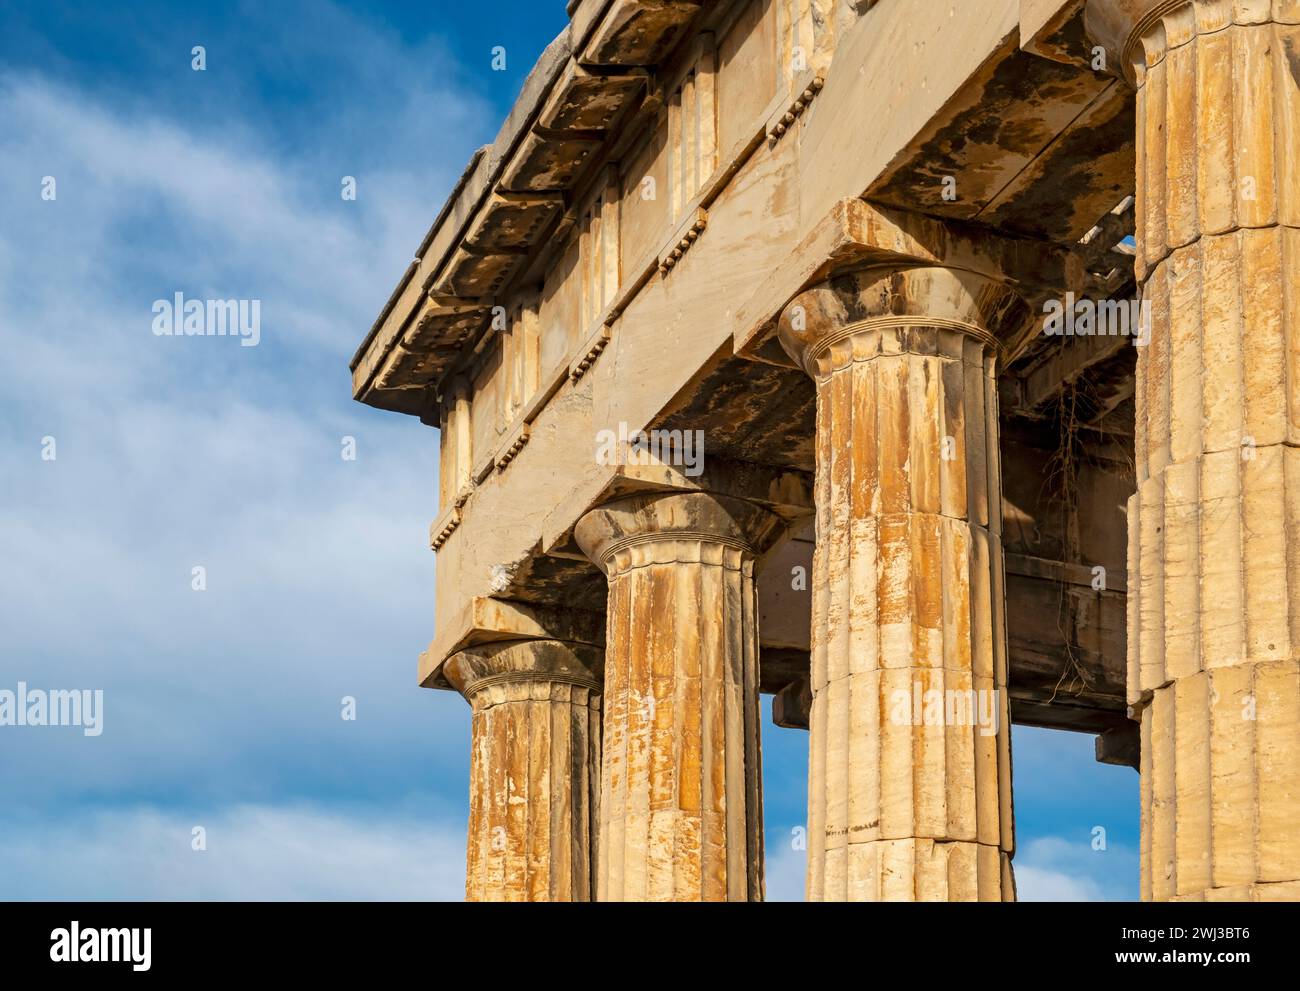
x=534, y=768
x=1214, y=545
x=681, y=792
x=909, y=782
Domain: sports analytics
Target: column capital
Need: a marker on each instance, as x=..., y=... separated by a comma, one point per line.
x=898, y=298
x=1137, y=33
x=558, y=661
x=617, y=527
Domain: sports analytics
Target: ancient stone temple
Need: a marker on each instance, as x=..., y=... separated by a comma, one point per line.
x=930, y=365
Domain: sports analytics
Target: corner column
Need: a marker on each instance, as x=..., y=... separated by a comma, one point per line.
x=534, y=768
x=681, y=791
x=909, y=782
x=1214, y=551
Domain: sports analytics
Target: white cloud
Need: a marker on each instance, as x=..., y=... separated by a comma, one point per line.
x=175, y=453
x=1051, y=868
x=1034, y=884
x=254, y=852
x=147, y=208
x=785, y=869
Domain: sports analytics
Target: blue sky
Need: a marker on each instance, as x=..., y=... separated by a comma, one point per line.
x=223, y=707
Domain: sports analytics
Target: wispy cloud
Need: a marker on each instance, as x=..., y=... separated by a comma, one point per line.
x=252, y=852
x=1051, y=868
x=785, y=871
x=177, y=453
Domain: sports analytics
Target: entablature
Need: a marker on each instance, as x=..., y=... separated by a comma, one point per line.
x=624, y=74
